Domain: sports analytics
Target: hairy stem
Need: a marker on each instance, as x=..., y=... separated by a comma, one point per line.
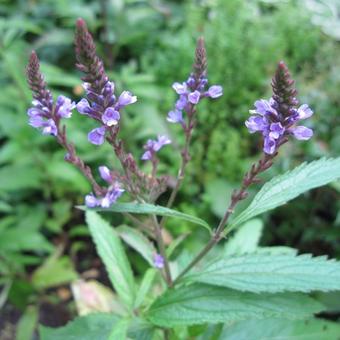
x=238, y=195
x=162, y=251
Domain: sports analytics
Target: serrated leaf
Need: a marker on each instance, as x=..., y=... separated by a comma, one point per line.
x=135, y=239
x=272, y=273
x=111, y=251
x=144, y=208
x=284, y=188
x=89, y=327
x=246, y=238
x=198, y=303
x=280, y=329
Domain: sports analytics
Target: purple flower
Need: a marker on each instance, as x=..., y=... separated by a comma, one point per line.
x=194, y=97
x=181, y=102
x=274, y=125
x=301, y=132
x=264, y=107
x=110, y=117
x=64, y=107
x=126, y=98
x=158, y=261
x=175, y=116
x=97, y=135
x=256, y=123
x=304, y=112
x=83, y=107
x=215, y=91
x=91, y=201
x=111, y=196
x=180, y=88
x=153, y=146
x=105, y=173
x=191, y=91
x=269, y=146
x=48, y=126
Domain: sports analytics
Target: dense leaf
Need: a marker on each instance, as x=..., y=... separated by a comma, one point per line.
x=144, y=208
x=246, y=238
x=135, y=239
x=284, y=188
x=111, y=251
x=89, y=327
x=272, y=273
x=198, y=303
x=281, y=329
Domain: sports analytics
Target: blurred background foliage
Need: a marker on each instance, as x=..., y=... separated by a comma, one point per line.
x=146, y=46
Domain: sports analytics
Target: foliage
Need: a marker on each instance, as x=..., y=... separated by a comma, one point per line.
x=146, y=46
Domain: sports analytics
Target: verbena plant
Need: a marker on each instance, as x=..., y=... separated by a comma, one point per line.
x=239, y=291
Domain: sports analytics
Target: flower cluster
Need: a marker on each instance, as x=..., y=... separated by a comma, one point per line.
x=113, y=192
x=277, y=117
x=153, y=146
x=103, y=107
x=190, y=93
x=43, y=114
x=40, y=116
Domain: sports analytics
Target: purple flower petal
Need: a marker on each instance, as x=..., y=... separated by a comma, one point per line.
x=97, y=136
x=215, y=91
x=34, y=112
x=105, y=173
x=256, y=123
x=158, y=261
x=111, y=196
x=147, y=156
x=83, y=107
x=175, y=116
x=91, y=201
x=302, y=132
x=126, y=98
x=269, y=146
x=64, y=107
x=194, y=97
x=36, y=121
x=180, y=88
x=181, y=102
x=263, y=107
x=49, y=128
x=276, y=130
x=110, y=117
x=162, y=140
x=304, y=112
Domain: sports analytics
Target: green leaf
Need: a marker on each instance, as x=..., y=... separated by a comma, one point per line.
x=272, y=273
x=141, y=208
x=89, y=327
x=27, y=323
x=284, y=188
x=135, y=239
x=119, y=330
x=54, y=272
x=280, y=329
x=111, y=251
x=246, y=238
x=145, y=286
x=198, y=303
